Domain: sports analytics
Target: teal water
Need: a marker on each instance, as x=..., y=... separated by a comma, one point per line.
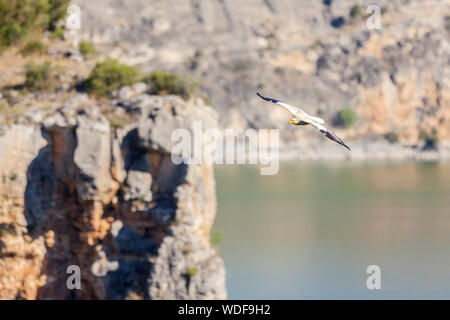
x=310, y=231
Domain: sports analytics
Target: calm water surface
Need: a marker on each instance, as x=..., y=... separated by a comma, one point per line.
x=310, y=231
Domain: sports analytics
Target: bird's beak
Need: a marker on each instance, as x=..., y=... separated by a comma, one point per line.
x=293, y=121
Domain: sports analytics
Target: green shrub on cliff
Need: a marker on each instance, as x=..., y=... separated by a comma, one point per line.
x=216, y=237
x=117, y=124
x=18, y=18
x=355, y=11
x=57, y=10
x=87, y=48
x=37, y=76
x=279, y=71
x=110, y=75
x=164, y=82
x=190, y=272
x=346, y=117
x=57, y=33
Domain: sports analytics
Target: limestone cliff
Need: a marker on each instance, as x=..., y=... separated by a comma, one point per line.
x=76, y=190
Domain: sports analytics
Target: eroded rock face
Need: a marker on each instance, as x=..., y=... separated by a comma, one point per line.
x=21, y=257
x=74, y=191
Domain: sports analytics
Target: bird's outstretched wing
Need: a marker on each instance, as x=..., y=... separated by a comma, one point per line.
x=316, y=119
x=328, y=133
x=318, y=123
x=291, y=109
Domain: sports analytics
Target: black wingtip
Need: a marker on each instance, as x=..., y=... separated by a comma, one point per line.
x=332, y=136
x=267, y=98
x=262, y=97
x=343, y=144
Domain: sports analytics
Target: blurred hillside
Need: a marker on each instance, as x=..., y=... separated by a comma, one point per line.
x=319, y=55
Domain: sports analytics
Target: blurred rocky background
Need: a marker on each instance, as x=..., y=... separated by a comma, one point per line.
x=85, y=120
x=386, y=91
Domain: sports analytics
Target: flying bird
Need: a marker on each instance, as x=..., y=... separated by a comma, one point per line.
x=301, y=118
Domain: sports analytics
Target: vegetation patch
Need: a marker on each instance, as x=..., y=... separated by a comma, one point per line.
x=164, y=82
x=355, y=11
x=190, y=272
x=216, y=237
x=19, y=18
x=346, y=117
x=58, y=33
x=37, y=76
x=34, y=47
x=279, y=71
x=118, y=124
x=87, y=48
x=111, y=75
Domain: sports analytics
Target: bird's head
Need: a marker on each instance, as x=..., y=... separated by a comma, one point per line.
x=294, y=121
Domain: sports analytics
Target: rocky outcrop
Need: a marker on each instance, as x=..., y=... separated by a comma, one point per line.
x=76, y=190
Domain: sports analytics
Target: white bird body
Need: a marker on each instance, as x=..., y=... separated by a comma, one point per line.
x=300, y=117
x=300, y=114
